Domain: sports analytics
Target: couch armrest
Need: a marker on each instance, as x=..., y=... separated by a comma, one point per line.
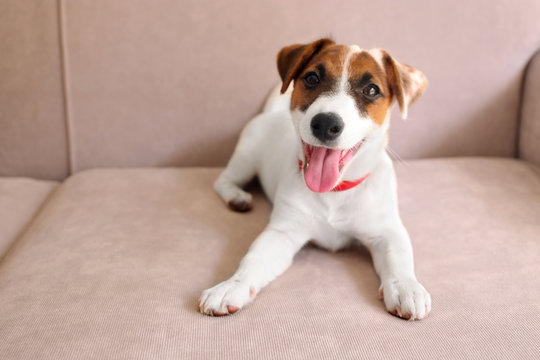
x=529, y=138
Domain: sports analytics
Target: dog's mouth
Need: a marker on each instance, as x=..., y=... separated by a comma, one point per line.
x=323, y=166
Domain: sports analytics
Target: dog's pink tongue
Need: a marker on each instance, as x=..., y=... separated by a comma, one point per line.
x=322, y=173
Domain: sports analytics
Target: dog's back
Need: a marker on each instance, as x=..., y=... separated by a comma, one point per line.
x=277, y=101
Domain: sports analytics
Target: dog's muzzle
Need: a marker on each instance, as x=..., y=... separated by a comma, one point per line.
x=327, y=126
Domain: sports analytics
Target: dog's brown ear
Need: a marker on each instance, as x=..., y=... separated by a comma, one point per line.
x=292, y=59
x=406, y=83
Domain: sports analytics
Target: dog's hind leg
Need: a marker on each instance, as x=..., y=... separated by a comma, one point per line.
x=242, y=167
x=230, y=182
x=240, y=170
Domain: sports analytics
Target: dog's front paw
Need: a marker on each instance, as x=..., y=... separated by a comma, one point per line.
x=406, y=298
x=225, y=298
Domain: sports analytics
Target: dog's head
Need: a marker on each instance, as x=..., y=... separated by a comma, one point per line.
x=342, y=95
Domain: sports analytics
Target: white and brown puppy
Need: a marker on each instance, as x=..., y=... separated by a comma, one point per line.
x=319, y=153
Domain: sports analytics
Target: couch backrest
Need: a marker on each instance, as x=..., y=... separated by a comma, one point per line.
x=107, y=83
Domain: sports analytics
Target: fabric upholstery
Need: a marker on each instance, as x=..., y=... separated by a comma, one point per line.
x=166, y=83
x=32, y=127
x=172, y=82
x=113, y=265
x=20, y=199
x=530, y=113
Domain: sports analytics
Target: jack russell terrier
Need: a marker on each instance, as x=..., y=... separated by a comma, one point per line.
x=319, y=151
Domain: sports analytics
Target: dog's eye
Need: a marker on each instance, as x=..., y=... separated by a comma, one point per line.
x=311, y=79
x=371, y=91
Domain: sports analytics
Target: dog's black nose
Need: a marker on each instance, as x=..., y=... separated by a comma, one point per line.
x=327, y=126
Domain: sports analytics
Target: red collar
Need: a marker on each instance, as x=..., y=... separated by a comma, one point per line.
x=342, y=186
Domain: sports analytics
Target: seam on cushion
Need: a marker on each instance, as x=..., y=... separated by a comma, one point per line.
x=27, y=225
x=64, y=69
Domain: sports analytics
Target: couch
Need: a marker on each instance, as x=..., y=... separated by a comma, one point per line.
x=117, y=116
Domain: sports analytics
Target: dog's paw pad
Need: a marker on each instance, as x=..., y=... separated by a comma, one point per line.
x=252, y=293
x=240, y=205
x=225, y=298
x=406, y=298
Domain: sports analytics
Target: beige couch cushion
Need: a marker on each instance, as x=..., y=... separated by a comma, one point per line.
x=20, y=199
x=113, y=267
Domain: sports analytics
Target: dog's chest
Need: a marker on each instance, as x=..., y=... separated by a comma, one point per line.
x=332, y=240
x=333, y=230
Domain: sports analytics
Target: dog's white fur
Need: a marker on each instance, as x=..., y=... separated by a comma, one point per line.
x=269, y=147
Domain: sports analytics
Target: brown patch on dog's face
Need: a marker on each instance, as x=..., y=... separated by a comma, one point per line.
x=368, y=85
x=364, y=74
x=326, y=67
x=356, y=86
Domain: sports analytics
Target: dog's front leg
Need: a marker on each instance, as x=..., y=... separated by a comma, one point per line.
x=269, y=256
x=392, y=256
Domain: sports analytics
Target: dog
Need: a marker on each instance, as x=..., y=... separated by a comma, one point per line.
x=319, y=152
